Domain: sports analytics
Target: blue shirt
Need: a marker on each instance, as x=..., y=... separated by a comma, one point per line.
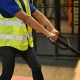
x=8, y=8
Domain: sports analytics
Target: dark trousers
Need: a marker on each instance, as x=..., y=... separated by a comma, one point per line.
x=8, y=55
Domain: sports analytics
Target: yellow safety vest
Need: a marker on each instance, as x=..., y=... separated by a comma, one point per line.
x=13, y=31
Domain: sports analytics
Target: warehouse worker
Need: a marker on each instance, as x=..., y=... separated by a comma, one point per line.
x=16, y=37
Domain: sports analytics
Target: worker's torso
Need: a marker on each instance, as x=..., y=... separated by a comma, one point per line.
x=13, y=31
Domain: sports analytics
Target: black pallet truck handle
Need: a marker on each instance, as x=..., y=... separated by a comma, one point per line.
x=56, y=42
x=67, y=45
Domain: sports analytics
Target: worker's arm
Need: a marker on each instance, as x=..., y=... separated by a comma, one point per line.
x=43, y=20
x=29, y=20
x=13, y=9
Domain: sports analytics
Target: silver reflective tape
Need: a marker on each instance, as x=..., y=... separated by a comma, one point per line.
x=29, y=35
x=4, y=36
x=12, y=23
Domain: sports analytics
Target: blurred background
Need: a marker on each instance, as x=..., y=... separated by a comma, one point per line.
x=64, y=15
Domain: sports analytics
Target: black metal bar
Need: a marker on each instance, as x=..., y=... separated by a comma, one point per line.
x=72, y=17
x=54, y=6
x=57, y=14
x=44, y=1
x=57, y=19
x=70, y=47
x=79, y=28
x=59, y=55
x=34, y=2
x=31, y=1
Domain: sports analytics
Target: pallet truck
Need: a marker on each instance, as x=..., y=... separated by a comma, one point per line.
x=65, y=44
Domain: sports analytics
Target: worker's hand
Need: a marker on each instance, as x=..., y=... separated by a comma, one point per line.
x=53, y=34
x=56, y=32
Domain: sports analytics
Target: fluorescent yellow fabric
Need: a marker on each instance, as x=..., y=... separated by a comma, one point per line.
x=14, y=33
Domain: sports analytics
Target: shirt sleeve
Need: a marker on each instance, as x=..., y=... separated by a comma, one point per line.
x=9, y=7
x=33, y=8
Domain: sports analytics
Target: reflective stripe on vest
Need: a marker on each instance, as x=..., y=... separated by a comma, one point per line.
x=12, y=23
x=15, y=37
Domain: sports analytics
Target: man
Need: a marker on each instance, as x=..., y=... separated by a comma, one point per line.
x=15, y=37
